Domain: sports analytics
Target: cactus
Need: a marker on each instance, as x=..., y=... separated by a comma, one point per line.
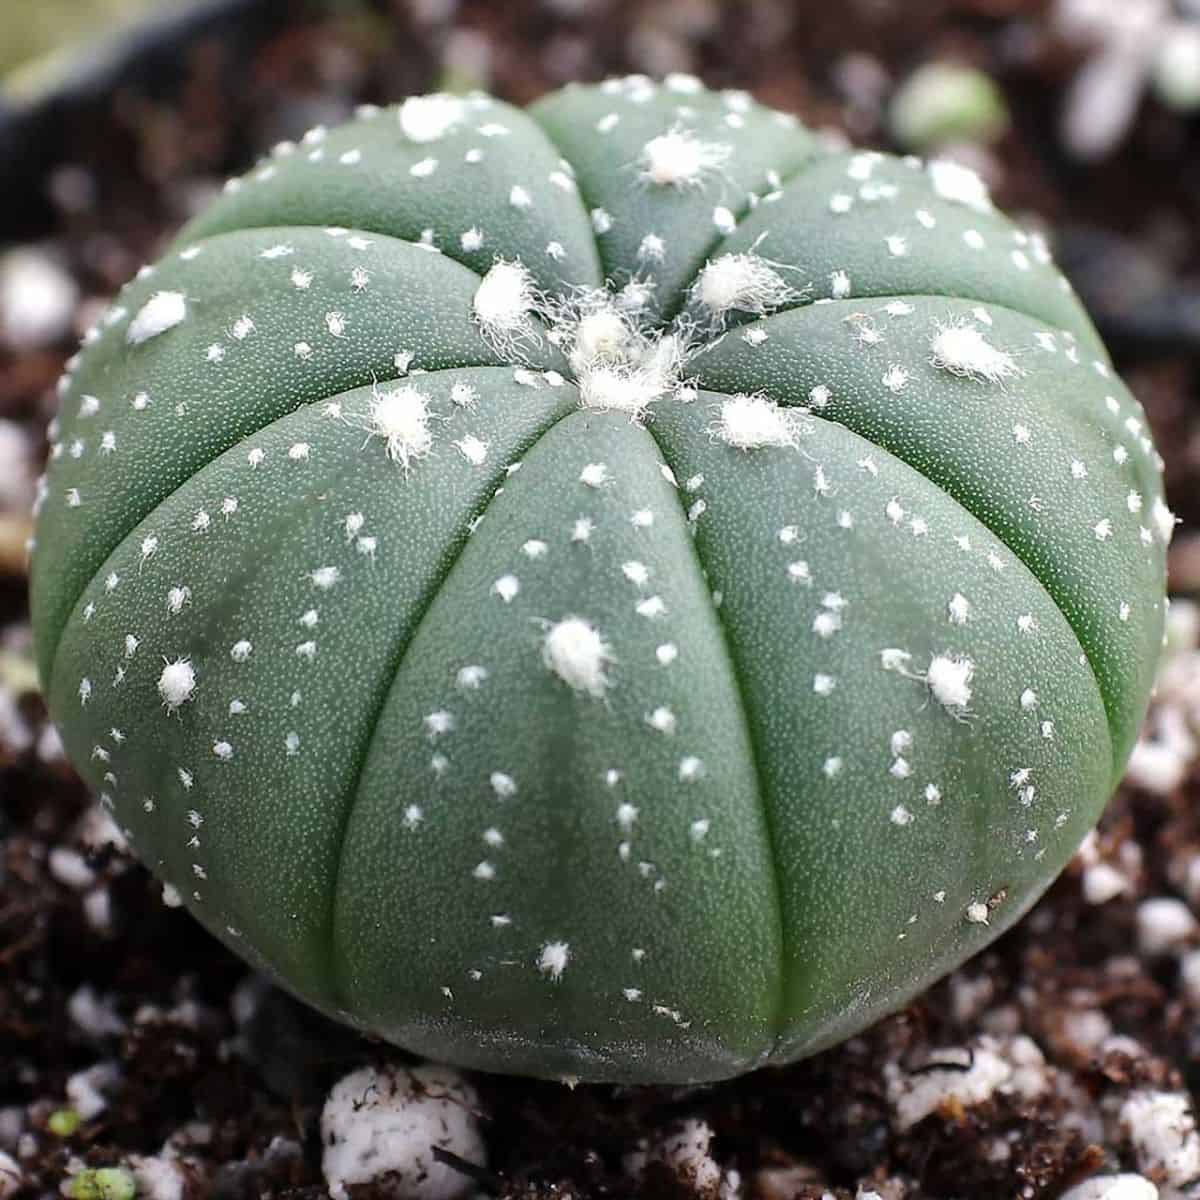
x=617, y=590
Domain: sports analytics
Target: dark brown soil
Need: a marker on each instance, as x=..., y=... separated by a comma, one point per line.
x=241, y=1100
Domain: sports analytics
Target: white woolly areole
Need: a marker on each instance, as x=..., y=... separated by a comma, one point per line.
x=616, y=366
x=631, y=386
x=741, y=282
x=163, y=311
x=428, y=118
x=960, y=185
x=381, y=1126
x=960, y=348
x=502, y=303
x=601, y=333
x=949, y=678
x=401, y=417
x=553, y=959
x=678, y=158
x=1164, y=520
x=751, y=422
x=578, y=655
x=177, y=683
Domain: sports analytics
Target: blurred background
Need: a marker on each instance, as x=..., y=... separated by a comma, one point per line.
x=120, y=118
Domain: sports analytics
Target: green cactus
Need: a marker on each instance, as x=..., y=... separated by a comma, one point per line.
x=618, y=590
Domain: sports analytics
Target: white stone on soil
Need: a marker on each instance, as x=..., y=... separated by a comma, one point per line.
x=382, y=1126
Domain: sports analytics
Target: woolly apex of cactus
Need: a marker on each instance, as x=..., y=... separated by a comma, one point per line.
x=614, y=590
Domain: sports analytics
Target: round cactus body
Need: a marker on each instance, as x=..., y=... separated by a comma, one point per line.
x=619, y=590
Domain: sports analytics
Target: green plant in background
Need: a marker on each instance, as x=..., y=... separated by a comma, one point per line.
x=944, y=102
x=30, y=33
x=615, y=590
x=101, y=1183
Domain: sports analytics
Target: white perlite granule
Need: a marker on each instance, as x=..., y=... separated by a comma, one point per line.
x=1162, y=1130
x=11, y=1178
x=384, y=1123
x=972, y=1075
x=1113, y=1187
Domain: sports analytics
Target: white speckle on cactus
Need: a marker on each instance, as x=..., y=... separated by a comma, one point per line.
x=752, y=422
x=1164, y=520
x=429, y=118
x=473, y=450
x=503, y=785
x=507, y=587
x=662, y=720
x=575, y=651
x=177, y=598
x=959, y=609
x=595, y=475
x=177, y=683
x=651, y=607
x=959, y=185
x=949, y=678
x=977, y=912
x=679, y=159
x=724, y=220
x=960, y=348
x=163, y=311
x=553, y=959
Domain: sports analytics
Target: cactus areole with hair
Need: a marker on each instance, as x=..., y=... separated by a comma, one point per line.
x=619, y=590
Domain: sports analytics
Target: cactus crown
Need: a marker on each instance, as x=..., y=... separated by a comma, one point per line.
x=618, y=589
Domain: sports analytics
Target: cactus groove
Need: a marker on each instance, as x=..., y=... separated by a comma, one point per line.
x=618, y=590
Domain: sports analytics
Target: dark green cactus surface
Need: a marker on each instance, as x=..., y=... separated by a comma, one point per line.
x=622, y=590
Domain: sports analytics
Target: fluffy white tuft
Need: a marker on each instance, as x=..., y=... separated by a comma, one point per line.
x=679, y=159
x=401, y=417
x=574, y=650
x=742, y=283
x=177, y=683
x=503, y=303
x=553, y=959
x=616, y=365
x=949, y=678
x=960, y=348
x=163, y=311
x=750, y=422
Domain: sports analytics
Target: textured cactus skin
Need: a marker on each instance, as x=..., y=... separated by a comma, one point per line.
x=762, y=821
